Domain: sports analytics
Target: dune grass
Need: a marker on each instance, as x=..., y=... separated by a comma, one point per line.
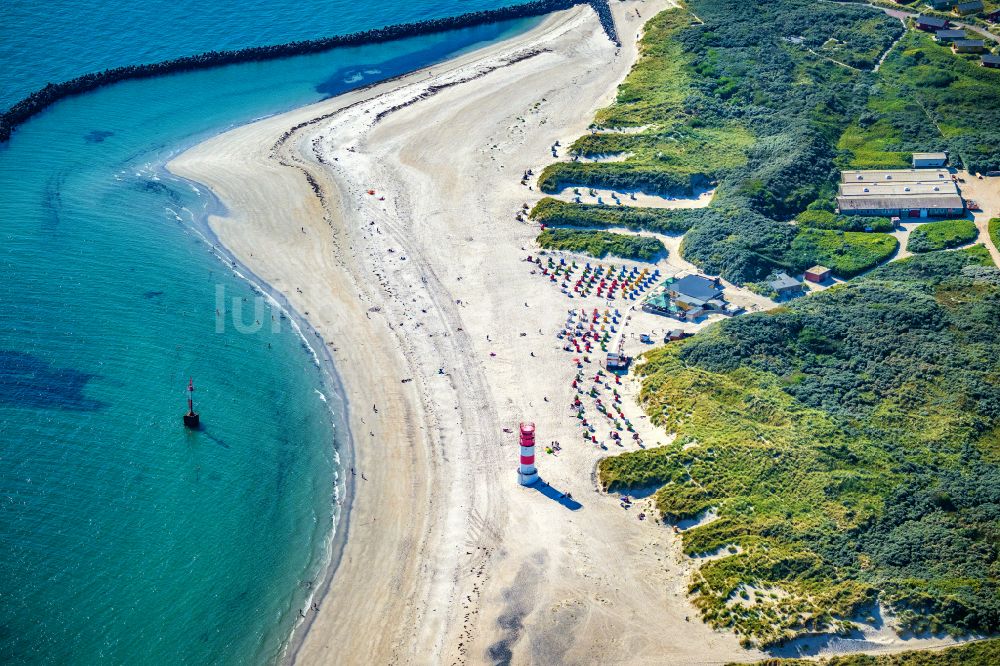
x=850, y=444
x=927, y=99
x=600, y=244
x=553, y=212
x=675, y=151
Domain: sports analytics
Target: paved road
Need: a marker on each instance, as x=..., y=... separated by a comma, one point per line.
x=965, y=26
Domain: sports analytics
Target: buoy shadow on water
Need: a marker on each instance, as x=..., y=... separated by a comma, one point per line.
x=194, y=434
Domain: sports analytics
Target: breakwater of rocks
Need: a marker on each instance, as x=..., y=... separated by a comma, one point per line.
x=607, y=19
x=53, y=92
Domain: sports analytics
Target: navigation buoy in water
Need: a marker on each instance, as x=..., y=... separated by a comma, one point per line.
x=526, y=473
x=191, y=419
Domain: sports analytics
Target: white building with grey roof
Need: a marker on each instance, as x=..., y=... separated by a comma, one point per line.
x=905, y=193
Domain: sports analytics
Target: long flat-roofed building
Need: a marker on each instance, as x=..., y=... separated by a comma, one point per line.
x=911, y=193
x=896, y=176
x=899, y=189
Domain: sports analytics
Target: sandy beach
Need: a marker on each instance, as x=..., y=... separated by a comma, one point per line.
x=387, y=218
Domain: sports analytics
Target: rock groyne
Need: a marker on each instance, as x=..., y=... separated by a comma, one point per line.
x=53, y=92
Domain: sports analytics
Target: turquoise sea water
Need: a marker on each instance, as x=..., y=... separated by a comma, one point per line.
x=61, y=39
x=127, y=539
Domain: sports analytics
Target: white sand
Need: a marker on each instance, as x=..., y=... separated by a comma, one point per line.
x=634, y=199
x=447, y=559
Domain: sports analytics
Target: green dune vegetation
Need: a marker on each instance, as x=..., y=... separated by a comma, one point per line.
x=994, y=229
x=553, y=212
x=602, y=243
x=825, y=219
x=769, y=100
x=927, y=98
x=842, y=452
x=748, y=97
x=942, y=235
x=848, y=446
x=676, y=152
x=846, y=253
x=980, y=653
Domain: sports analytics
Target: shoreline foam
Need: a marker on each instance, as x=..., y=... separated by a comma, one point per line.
x=343, y=437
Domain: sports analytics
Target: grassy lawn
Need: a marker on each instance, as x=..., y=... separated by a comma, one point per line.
x=942, y=235
x=602, y=243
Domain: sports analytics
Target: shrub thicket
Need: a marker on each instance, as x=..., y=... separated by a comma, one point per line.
x=823, y=219
x=553, y=212
x=941, y=235
x=846, y=253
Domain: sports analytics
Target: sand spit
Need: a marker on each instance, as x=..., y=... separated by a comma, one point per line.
x=386, y=216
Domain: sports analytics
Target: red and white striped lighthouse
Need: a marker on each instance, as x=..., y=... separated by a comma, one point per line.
x=526, y=473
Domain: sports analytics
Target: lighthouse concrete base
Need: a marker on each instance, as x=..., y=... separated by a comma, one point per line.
x=527, y=478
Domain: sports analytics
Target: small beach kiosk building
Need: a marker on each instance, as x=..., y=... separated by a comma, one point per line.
x=616, y=360
x=785, y=286
x=688, y=297
x=675, y=334
x=818, y=274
